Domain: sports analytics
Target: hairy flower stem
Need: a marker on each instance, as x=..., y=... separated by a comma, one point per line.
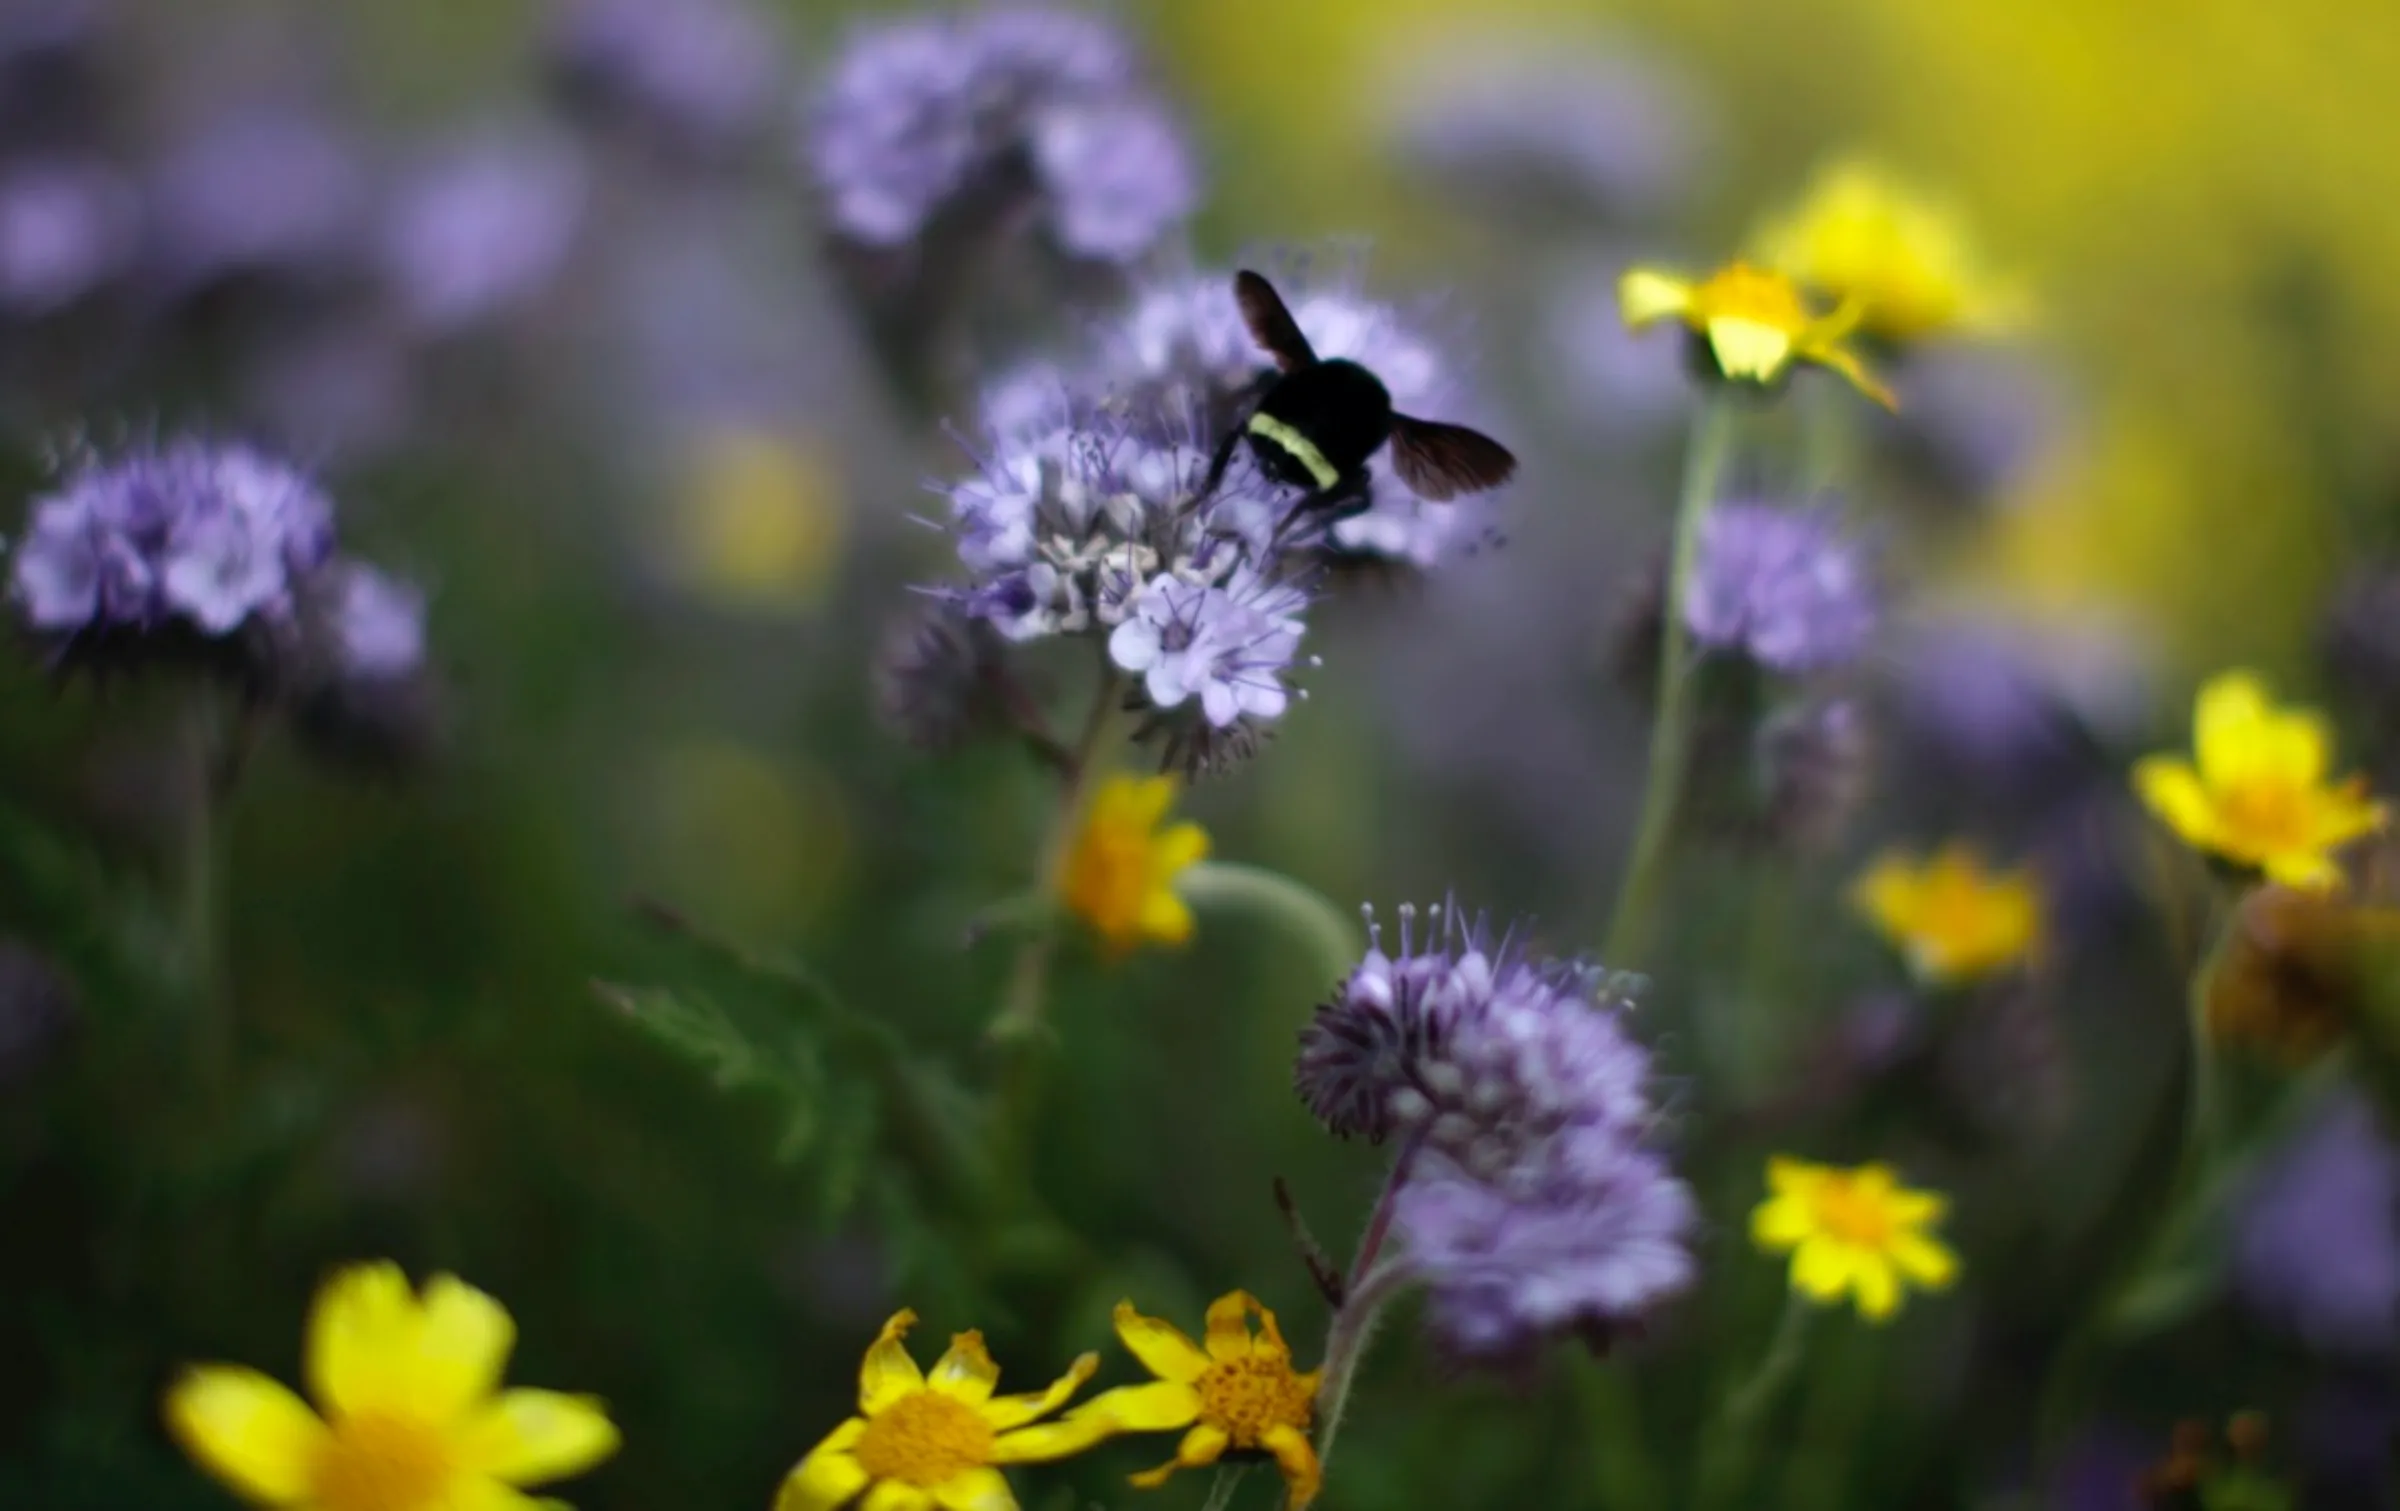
x=1019, y=1028
x=1371, y=1287
x=1731, y=1447
x=1671, y=732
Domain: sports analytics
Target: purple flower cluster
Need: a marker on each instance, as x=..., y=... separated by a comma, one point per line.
x=191, y=542
x=700, y=75
x=1530, y=1204
x=1780, y=586
x=1082, y=526
x=929, y=113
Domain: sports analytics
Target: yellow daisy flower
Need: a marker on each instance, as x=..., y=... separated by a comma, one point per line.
x=2259, y=793
x=1953, y=917
x=1238, y=1395
x=1120, y=875
x=1861, y=235
x=922, y=1441
x=1756, y=323
x=413, y=1419
x=1852, y=1231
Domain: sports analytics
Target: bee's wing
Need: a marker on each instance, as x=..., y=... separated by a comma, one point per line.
x=1440, y=461
x=1271, y=325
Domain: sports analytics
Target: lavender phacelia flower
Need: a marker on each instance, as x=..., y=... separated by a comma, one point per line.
x=480, y=226
x=2316, y=1246
x=1095, y=526
x=1781, y=586
x=1528, y=1203
x=368, y=702
x=67, y=226
x=1183, y=346
x=697, y=75
x=992, y=108
x=203, y=541
x=937, y=676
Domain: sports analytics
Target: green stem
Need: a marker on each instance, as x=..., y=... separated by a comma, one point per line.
x=1328, y=932
x=1220, y=1491
x=1732, y=1445
x=1612, y=1413
x=201, y=919
x=1671, y=732
x=1020, y=1029
x=1371, y=1286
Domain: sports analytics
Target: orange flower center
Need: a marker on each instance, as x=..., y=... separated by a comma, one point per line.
x=925, y=1439
x=1251, y=1395
x=2267, y=815
x=1740, y=292
x=374, y=1462
x=1854, y=1216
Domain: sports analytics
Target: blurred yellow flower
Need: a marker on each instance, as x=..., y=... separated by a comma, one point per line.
x=413, y=1417
x=1120, y=876
x=1239, y=1394
x=920, y=1441
x=2259, y=793
x=1953, y=917
x=1756, y=323
x=758, y=521
x=1860, y=235
x=1856, y=1231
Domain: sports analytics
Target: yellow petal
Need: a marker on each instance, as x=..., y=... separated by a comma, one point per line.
x=1269, y=1343
x=891, y=1495
x=2229, y=710
x=1925, y=1261
x=888, y=1373
x=1887, y=894
x=1161, y=1346
x=1166, y=918
x=1821, y=1268
x=1914, y=1209
x=528, y=1436
x=1748, y=349
x=976, y=1490
x=1201, y=1446
x=361, y=1336
x=1878, y=1287
x=1005, y=1412
x=462, y=1344
x=2303, y=870
x=1840, y=359
x=1158, y=1406
x=247, y=1430
x=966, y=1370
x=828, y=1477
x=1646, y=296
x=1793, y=1177
x=1144, y=800
x=1302, y=1475
x=1177, y=847
x=2172, y=789
x=1782, y=1222
x=478, y=1493
x=1228, y=1335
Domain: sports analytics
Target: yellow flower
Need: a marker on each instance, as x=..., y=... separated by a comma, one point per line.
x=923, y=1441
x=1858, y=1231
x=1120, y=877
x=1860, y=235
x=1955, y=919
x=2259, y=793
x=758, y=521
x=1755, y=322
x=1240, y=1394
x=413, y=1417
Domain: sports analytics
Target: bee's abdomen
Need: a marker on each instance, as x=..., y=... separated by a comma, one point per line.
x=1323, y=421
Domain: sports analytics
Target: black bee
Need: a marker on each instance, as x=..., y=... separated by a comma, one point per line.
x=1316, y=424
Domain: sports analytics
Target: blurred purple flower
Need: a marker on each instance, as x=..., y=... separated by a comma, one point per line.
x=1976, y=418
x=1614, y=385
x=702, y=74
x=67, y=226
x=2318, y=1238
x=1528, y=1205
x=48, y=80
x=927, y=112
x=1613, y=128
x=378, y=624
x=482, y=225
x=211, y=537
x=1780, y=586
x=259, y=189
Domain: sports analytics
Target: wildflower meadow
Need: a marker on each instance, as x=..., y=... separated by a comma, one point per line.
x=956, y=756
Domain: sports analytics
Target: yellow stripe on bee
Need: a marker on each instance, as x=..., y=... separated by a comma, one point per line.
x=1302, y=449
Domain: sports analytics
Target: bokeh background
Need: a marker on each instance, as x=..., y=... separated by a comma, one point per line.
x=664, y=497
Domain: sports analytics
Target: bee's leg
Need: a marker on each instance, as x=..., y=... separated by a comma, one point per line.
x=1350, y=495
x=1220, y=460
